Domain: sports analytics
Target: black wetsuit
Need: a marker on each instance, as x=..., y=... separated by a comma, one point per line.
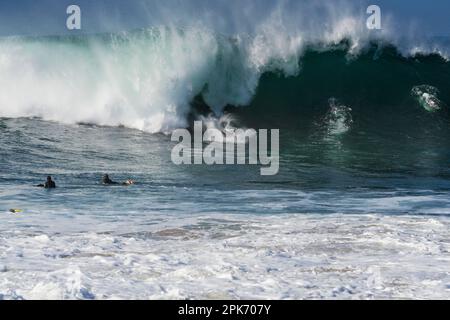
x=108, y=181
x=50, y=184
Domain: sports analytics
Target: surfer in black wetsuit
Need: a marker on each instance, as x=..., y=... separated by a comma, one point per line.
x=108, y=182
x=49, y=184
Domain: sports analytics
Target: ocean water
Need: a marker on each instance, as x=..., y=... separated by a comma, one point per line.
x=359, y=210
x=314, y=231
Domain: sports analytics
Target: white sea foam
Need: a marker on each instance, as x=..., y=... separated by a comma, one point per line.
x=234, y=256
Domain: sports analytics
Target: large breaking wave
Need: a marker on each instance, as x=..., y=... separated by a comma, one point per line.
x=148, y=79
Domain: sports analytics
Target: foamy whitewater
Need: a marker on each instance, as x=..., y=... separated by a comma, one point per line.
x=232, y=257
x=359, y=210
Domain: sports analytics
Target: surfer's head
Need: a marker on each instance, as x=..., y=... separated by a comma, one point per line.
x=49, y=178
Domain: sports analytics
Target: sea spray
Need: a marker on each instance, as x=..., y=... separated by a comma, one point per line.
x=338, y=119
x=427, y=97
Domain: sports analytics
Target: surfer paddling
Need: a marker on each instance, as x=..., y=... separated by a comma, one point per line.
x=108, y=182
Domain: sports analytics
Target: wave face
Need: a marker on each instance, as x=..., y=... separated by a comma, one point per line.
x=378, y=86
x=147, y=79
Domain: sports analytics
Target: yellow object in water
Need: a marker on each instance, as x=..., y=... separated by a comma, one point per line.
x=15, y=210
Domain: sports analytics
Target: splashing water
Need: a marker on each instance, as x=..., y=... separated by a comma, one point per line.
x=427, y=97
x=338, y=119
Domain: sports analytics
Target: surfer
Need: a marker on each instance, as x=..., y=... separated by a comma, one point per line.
x=108, y=182
x=49, y=184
